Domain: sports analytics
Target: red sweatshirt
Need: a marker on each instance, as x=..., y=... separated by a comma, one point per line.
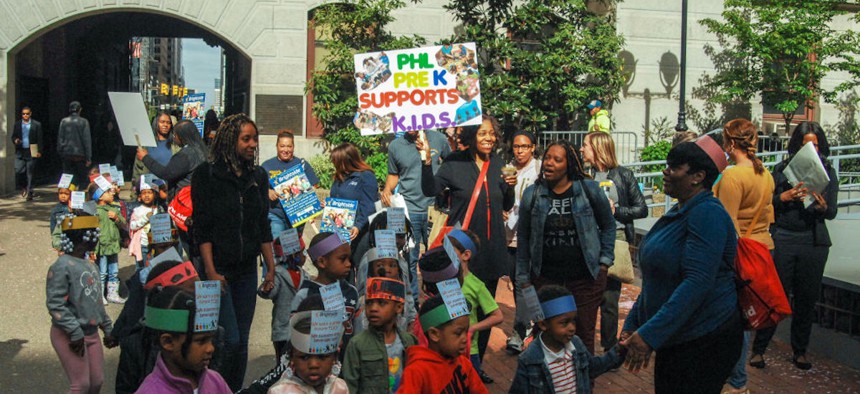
x=430, y=373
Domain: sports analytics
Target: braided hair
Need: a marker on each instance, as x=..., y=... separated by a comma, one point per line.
x=226, y=141
x=575, y=170
x=745, y=136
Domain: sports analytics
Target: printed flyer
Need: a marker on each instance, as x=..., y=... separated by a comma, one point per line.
x=338, y=216
x=297, y=195
x=207, y=296
x=194, y=109
x=417, y=89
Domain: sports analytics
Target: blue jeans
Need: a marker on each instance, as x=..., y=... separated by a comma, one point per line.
x=144, y=254
x=738, y=378
x=109, y=268
x=238, y=302
x=420, y=233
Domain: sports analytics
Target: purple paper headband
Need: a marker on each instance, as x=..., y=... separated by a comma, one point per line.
x=325, y=247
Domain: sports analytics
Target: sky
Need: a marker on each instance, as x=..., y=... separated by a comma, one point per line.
x=202, y=66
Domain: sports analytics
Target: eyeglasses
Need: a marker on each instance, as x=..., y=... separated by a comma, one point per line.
x=25, y=113
x=522, y=147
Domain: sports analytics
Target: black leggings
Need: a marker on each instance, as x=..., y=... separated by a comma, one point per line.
x=701, y=365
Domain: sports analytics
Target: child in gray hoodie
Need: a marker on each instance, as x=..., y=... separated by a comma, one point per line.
x=74, y=301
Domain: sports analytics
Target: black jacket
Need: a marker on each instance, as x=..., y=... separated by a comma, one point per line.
x=631, y=203
x=35, y=137
x=178, y=170
x=74, y=139
x=231, y=213
x=793, y=216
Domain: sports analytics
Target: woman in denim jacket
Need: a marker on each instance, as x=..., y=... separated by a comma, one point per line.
x=566, y=234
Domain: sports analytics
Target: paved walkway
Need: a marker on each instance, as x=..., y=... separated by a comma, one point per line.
x=28, y=362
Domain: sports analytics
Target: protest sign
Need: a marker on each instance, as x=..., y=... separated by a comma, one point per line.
x=386, y=244
x=339, y=216
x=290, y=241
x=417, y=89
x=297, y=195
x=65, y=181
x=207, y=299
x=193, y=109
x=396, y=220
x=78, y=199
x=132, y=119
x=160, y=228
x=453, y=297
x=332, y=298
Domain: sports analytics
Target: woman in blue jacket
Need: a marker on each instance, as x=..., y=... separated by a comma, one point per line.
x=354, y=180
x=566, y=235
x=687, y=311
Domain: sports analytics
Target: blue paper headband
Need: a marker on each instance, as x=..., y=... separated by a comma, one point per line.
x=558, y=306
x=464, y=240
x=98, y=194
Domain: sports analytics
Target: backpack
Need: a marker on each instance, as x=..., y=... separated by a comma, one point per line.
x=180, y=208
x=760, y=294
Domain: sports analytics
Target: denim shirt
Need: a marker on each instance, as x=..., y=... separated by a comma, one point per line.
x=595, y=228
x=688, y=285
x=533, y=376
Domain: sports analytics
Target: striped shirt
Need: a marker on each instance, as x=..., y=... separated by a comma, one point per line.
x=561, y=367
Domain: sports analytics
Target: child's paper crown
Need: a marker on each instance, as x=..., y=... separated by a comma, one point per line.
x=385, y=289
x=172, y=277
x=325, y=246
x=435, y=317
x=79, y=223
x=326, y=330
x=448, y=272
x=464, y=240
x=558, y=306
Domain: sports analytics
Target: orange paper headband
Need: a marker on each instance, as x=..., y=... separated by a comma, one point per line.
x=385, y=289
x=172, y=277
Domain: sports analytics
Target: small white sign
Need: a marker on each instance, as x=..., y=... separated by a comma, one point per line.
x=290, y=241
x=386, y=244
x=103, y=183
x=65, y=181
x=533, y=304
x=452, y=294
x=160, y=228
x=332, y=297
x=396, y=220
x=116, y=176
x=78, y=199
x=207, y=298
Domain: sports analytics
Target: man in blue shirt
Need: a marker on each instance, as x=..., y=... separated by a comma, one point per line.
x=404, y=168
x=27, y=138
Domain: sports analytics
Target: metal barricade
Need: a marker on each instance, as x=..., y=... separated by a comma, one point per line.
x=626, y=142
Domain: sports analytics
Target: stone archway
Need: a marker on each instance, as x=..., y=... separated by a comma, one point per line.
x=270, y=36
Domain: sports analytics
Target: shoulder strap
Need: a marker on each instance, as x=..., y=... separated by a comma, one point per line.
x=475, y=194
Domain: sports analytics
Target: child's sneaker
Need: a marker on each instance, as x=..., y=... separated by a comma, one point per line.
x=515, y=344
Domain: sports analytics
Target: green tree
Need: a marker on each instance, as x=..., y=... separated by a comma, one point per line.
x=347, y=28
x=541, y=61
x=780, y=50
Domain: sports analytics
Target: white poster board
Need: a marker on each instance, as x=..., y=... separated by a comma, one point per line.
x=417, y=89
x=131, y=117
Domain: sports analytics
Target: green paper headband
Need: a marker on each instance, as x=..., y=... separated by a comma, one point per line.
x=171, y=320
x=435, y=318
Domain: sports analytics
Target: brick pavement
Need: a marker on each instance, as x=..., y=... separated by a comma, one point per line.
x=780, y=376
